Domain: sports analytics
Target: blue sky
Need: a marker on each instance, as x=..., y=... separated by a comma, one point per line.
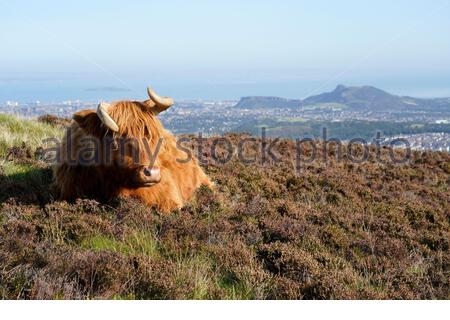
x=225, y=49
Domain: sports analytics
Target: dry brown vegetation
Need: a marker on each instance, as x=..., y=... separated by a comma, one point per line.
x=334, y=231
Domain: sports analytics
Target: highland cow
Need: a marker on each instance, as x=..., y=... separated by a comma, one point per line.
x=122, y=149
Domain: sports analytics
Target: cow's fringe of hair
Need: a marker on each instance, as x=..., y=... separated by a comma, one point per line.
x=135, y=119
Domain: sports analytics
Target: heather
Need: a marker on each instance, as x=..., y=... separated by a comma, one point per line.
x=333, y=229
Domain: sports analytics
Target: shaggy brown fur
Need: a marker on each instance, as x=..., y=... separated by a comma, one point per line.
x=103, y=180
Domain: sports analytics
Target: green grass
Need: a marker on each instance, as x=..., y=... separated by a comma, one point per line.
x=235, y=290
x=136, y=243
x=22, y=173
x=11, y=168
x=27, y=177
x=204, y=275
x=197, y=269
x=14, y=131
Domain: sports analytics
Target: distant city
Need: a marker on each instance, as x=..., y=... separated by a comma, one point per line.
x=347, y=112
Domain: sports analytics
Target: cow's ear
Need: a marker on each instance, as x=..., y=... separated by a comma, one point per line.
x=80, y=116
x=88, y=120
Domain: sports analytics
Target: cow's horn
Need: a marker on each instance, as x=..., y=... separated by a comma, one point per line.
x=162, y=103
x=102, y=112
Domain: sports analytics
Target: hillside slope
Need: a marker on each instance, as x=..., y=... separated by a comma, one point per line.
x=337, y=230
x=353, y=97
x=366, y=97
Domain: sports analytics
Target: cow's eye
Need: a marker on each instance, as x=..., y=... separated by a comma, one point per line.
x=114, y=145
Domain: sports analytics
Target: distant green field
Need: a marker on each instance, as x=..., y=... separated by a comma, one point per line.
x=333, y=106
x=292, y=119
x=298, y=128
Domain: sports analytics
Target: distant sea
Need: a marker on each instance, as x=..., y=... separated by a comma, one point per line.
x=57, y=90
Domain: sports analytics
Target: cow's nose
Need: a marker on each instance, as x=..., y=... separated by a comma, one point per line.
x=147, y=172
x=153, y=172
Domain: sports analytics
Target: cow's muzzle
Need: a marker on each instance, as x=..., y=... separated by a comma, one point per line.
x=150, y=175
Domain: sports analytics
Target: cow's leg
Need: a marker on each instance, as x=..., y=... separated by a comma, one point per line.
x=161, y=196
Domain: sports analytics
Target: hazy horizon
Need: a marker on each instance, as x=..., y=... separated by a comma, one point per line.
x=54, y=90
x=56, y=51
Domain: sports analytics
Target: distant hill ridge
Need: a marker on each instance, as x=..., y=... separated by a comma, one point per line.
x=361, y=97
x=267, y=102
